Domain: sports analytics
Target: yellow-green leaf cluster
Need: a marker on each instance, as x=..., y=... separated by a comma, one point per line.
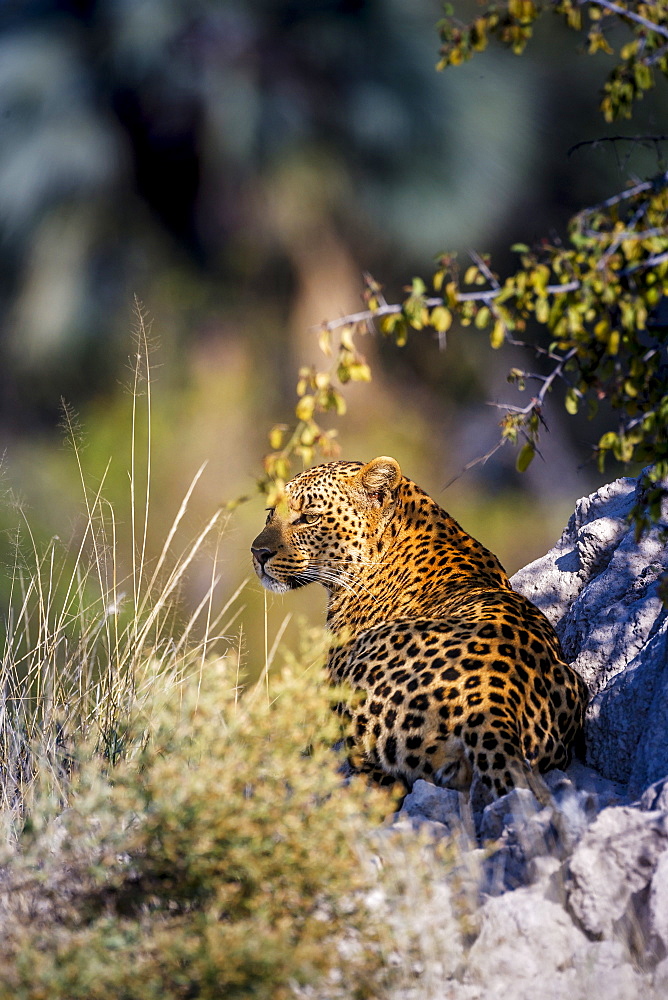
x=597, y=297
x=641, y=57
x=319, y=392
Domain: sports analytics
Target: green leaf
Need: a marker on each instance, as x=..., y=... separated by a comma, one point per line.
x=359, y=371
x=401, y=333
x=335, y=401
x=482, y=317
x=525, y=457
x=441, y=319
x=498, y=334
x=571, y=402
x=389, y=323
x=276, y=436
x=542, y=310
x=304, y=408
x=608, y=440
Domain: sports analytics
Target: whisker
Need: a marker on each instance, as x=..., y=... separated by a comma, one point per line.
x=325, y=576
x=366, y=563
x=340, y=570
x=331, y=578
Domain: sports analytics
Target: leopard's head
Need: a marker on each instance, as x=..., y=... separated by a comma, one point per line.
x=331, y=518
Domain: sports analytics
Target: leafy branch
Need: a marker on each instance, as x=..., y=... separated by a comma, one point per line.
x=598, y=295
x=640, y=58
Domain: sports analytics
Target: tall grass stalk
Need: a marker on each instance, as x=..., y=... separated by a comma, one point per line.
x=141, y=361
x=84, y=640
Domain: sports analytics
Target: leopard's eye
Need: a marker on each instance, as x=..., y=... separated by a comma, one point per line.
x=270, y=513
x=308, y=518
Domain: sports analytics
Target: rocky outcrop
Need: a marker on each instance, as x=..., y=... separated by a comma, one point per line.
x=578, y=890
x=600, y=588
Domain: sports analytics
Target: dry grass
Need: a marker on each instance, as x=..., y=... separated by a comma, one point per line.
x=82, y=638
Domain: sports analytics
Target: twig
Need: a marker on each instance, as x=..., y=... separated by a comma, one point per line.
x=557, y=372
x=617, y=138
x=534, y=406
x=486, y=295
x=655, y=56
x=536, y=348
x=650, y=262
x=476, y=461
x=537, y=401
x=632, y=16
x=615, y=199
x=630, y=234
x=626, y=234
x=482, y=266
x=367, y=314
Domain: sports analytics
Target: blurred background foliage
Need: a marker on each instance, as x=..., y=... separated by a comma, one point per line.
x=236, y=167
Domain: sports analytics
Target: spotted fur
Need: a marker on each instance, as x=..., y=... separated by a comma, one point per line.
x=461, y=675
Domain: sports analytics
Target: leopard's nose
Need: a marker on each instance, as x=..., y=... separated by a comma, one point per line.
x=262, y=555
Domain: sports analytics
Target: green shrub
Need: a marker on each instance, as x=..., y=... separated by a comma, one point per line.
x=225, y=860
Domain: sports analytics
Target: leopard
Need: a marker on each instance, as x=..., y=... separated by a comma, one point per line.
x=457, y=676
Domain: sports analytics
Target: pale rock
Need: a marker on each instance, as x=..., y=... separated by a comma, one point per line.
x=655, y=797
x=614, y=861
x=528, y=946
x=599, y=586
x=657, y=922
x=427, y=801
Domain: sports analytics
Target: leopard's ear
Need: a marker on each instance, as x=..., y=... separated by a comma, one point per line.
x=379, y=476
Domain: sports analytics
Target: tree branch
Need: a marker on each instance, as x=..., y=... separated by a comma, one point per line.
x=367, y=314
x=645, y=264
x=624, y=195
x=547, y=380
x=486, y=295
x=617, y=138
x=481, y=460
x=632, y=16
x=484, y=269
